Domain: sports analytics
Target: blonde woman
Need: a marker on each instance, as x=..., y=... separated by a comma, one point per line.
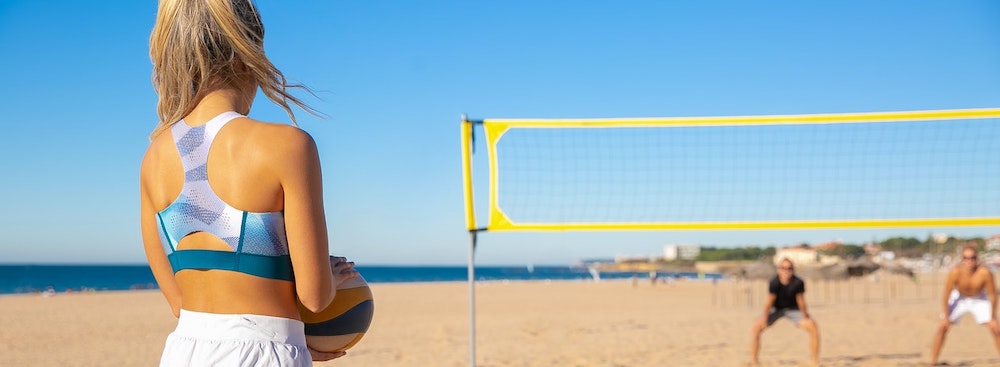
x=231, y=208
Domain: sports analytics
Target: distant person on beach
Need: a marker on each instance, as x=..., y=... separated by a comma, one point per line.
x=786, y=298
x=231, y=208
x=969, y=289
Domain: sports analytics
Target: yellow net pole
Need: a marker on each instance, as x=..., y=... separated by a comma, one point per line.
x=470, y=224
x=470, y=210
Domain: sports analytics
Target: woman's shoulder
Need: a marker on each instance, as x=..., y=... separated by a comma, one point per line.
x=278, y=138
x=274, y=129
x=157, y=150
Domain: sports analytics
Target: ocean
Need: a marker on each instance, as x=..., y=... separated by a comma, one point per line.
x=77, y=278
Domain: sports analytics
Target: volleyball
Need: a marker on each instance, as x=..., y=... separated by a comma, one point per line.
x=341, y=324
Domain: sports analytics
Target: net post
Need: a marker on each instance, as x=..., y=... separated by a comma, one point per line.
x=470, y=224
x=472, y=297
x=470, y=212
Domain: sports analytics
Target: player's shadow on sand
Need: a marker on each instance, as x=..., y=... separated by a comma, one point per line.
x=909, y=359
x=897, y=359
x=971, y=362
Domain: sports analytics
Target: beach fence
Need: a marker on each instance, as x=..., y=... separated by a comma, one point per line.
x=884, y=289
x=843, y=171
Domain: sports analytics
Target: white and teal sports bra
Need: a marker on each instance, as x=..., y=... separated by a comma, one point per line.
x=258, y=242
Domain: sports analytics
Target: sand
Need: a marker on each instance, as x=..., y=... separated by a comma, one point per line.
x=567, y=323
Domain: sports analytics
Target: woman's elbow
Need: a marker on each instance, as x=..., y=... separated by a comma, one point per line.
x=317, y=303
x=313, y=307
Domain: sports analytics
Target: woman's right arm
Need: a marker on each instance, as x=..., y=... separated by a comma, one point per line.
x=155, y=255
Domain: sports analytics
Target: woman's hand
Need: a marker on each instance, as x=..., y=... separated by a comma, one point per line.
x=343, y=270
x=318, y=356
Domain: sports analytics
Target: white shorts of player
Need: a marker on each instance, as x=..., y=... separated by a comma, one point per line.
x=979, y=306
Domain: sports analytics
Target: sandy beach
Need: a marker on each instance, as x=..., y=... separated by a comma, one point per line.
x=572, y=323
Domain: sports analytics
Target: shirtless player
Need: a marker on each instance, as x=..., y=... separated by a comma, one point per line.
x=969, y=289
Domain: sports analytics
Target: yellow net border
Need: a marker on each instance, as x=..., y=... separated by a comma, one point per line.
x=498, y=221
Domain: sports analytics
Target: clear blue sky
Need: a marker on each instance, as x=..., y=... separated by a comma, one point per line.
x=395, y=76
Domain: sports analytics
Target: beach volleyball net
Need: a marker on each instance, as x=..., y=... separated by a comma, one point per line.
x=927, y=169
x=843, y=171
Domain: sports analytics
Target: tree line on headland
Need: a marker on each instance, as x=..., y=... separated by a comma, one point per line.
x=903, y=247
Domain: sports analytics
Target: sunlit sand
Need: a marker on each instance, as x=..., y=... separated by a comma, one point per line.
x=565, y=323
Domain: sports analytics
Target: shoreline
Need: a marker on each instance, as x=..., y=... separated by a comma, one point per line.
x=58, y=280
x=710, y=277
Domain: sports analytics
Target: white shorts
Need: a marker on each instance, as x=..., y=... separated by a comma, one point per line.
x=979, y=306
x=207, y=339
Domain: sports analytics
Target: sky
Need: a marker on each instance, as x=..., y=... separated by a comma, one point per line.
x=394, y=78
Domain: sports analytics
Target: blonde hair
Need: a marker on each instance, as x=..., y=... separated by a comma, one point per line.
x=198, y=46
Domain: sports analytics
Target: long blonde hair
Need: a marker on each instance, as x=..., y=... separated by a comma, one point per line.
x=198, y=46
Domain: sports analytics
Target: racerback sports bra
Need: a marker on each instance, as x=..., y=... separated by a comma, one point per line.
x=258, y=242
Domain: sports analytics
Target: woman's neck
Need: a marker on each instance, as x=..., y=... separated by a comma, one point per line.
x=216, y=102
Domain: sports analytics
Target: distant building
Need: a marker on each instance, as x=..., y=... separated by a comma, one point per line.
x=887, y=255
x=993, y=243
x=940, y=238
x=872, y=249
x=797, y=254
x=683, y=252
x=827, y=246
x=670, y=252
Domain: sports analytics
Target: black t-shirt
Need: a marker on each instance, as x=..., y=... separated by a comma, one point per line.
x=786, y=292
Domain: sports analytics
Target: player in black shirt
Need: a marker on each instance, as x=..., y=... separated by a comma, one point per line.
x=786, y=298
